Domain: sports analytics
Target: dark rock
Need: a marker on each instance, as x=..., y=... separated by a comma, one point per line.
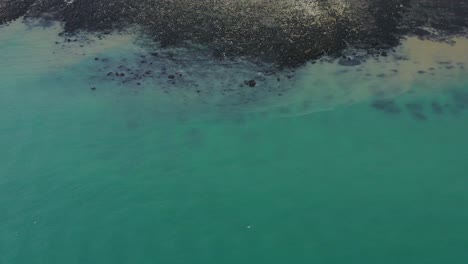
x=421, y=32
x=251, y=83
x=171, y=76
x=93, y=88
x=261, y=31
x=349, y=62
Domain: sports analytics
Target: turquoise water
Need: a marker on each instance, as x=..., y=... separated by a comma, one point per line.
x=126, y=175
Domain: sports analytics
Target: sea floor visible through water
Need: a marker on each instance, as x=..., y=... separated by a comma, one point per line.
x=334, y=164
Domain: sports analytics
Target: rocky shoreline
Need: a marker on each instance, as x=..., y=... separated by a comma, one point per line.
x=285, y=34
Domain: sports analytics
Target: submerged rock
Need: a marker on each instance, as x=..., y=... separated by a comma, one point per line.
x=251, y=83
x=349, y=61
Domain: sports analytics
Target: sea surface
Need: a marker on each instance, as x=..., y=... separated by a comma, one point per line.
x=336, y=164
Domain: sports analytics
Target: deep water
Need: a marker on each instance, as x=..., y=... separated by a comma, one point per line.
x=334, y=164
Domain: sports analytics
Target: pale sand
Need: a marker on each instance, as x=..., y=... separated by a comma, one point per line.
x=34, y=51
x=326, y=85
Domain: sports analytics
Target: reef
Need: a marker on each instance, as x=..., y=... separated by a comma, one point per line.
x=285, y=33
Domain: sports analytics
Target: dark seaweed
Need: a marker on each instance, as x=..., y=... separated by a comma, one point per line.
x=461, y=99
x=437, y=108
x=386, y=106
x=416, y=110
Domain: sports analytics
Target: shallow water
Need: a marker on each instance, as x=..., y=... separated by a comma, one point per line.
x=343, y=167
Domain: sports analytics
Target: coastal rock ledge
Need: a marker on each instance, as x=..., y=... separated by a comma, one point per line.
x=284, y=33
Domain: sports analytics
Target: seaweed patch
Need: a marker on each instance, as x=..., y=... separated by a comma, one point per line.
x=416, y=110
x=386, y=106
x=437, y=108
x=460, y=99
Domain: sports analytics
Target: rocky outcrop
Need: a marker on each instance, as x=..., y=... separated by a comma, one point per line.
x=285, y=33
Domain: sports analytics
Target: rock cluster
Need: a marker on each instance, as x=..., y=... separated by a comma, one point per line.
x=285, y=33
